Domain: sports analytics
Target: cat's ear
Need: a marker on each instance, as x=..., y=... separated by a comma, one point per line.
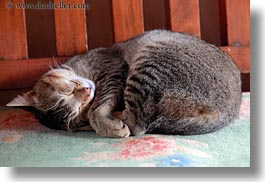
x=27, y=99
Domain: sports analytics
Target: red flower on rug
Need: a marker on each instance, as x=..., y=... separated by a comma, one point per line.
x=11, y=138
x=145, y=147
x=19, y=120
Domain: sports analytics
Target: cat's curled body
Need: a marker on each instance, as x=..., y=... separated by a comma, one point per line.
x=178, y=84
x=169, y=83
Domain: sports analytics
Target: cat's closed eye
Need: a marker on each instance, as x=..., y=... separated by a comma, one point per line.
x=59, y=84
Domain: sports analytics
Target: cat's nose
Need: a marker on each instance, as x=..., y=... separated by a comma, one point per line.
x=87, y=90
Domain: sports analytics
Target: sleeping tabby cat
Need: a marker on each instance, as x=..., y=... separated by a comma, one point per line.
x=164, y=82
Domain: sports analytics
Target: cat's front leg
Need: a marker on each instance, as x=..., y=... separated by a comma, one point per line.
x=106, y=125
x=129, y=118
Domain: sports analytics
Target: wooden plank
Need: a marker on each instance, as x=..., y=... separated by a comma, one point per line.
x=223, y=22
x=157, y=9
x=99, y=24
x=210, y=21
x=24, y=73
x=13, y=41
x=238, y=22
x=127, y=18
x=70, y=28
x=40, y=31
x=241, y=55
x=185, y=16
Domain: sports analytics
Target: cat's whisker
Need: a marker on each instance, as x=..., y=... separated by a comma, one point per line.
x=68, y=126
x=55, y=63
x=51, y=68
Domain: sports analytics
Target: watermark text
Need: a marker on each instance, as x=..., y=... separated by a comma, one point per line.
x=49, y=5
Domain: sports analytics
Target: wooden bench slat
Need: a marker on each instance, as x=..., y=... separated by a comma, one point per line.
x=40, y=31
x=70, y=28
x=210, y=20
x=238, y=22
x=185, y=16
x=99, y=24
x=13, y=40
x=157, y=9
x=127, y=18
x=241, y=55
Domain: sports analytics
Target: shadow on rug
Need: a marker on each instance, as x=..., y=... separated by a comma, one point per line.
x=25, y=142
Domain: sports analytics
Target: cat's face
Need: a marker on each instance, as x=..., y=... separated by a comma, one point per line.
x=61, y=94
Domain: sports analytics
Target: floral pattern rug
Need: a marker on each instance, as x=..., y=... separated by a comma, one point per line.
x=25, y=142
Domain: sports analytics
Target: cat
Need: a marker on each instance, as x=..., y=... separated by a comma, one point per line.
x=164, y=82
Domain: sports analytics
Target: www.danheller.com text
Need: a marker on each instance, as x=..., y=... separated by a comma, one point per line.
x=49, y=5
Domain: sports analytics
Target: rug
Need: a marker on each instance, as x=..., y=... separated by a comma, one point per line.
x=26, y=143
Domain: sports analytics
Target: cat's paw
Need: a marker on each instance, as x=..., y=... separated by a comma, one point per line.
x=120, y=130
x=111, y=128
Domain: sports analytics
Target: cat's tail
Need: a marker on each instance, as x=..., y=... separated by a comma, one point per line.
x=191, y=120
x=204, y=123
